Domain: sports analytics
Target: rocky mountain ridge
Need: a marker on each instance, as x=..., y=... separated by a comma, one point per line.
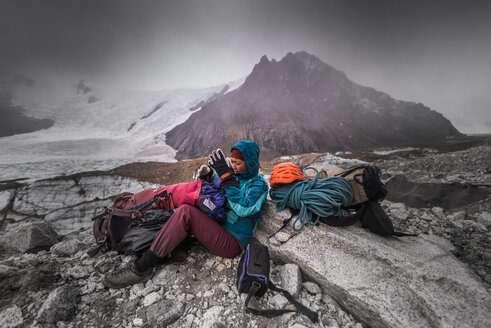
x=300, y=104
x=51, y=282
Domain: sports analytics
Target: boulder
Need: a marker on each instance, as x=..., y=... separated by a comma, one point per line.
x=11, y=317
x=164, y=313
x=484, y=218
x=60, y=305
x=385, y=282
x=6, y=197
x=213, y=317
x=68, y=247
x=30, y=237
x=291, y=279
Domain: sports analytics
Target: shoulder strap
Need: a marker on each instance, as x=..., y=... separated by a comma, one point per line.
x=347, y=172
x=300, y=307
x=270, y=313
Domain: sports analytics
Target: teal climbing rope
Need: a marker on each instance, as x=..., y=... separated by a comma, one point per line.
x=314, y=199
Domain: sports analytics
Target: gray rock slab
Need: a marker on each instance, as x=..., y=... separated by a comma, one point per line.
x=60, y=305
x=291, y=279
x=68, y=247
x=213, y=318
x=279, y=301
x=30, y=237
x=11, y=317
x=485, y=219
x=7, y=271
x=5, y=197
x=386, y=282
x=311, y=287
x=43, y=197
x=77, y=217
x=164, y=313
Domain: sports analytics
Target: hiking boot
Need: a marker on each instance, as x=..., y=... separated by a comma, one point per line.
x=125, y=276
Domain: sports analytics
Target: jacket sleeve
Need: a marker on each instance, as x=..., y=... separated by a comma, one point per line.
x=248, y=202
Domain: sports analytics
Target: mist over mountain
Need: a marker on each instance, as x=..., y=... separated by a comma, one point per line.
x=300, y=104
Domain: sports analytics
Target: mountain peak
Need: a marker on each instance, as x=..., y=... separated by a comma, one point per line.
x=301, y=104
x=301, y=56
x=264, y=59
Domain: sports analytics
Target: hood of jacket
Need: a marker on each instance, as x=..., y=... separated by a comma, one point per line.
x=250, y=152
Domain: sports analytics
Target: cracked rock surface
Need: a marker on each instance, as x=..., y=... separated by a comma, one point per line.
x=349, y=276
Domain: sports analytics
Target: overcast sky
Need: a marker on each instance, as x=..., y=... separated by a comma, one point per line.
x=434, y=52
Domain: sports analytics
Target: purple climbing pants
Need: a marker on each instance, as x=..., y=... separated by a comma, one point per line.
x=190, y=221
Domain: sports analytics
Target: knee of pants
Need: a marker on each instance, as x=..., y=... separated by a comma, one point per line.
x=182, y=212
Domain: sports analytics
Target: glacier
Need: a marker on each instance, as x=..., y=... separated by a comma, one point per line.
x=98, y=129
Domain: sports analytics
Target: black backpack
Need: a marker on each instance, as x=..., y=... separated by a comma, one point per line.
x=253, y=279
x=365, y=182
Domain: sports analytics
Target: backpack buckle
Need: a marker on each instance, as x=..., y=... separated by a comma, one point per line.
x=255, y=287
x=101, y=239
x=109, y=210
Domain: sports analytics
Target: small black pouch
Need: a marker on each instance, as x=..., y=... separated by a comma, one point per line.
x=376, y=220
x=375, y=189
x=253, y=279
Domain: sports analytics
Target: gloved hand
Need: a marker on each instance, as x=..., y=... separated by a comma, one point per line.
x=219, y=163
x=204, y=172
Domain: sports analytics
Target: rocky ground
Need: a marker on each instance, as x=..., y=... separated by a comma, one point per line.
x=456, y=201
x=62, y=287
x=52, y=282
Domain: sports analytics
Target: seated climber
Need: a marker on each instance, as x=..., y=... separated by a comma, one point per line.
x=246, y=192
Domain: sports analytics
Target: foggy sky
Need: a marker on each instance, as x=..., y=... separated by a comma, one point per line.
x=434, y=52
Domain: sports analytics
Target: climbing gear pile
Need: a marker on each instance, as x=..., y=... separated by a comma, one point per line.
x=314, y=199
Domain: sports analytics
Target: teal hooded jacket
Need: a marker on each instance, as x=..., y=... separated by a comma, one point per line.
x=246, y=201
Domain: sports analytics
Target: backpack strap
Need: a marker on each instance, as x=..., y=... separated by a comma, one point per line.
x=270, y=313
x=101, y=237
x=286, y=221
x=344, y=221
x=349, y=171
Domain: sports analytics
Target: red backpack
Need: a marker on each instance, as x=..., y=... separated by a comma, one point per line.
x=149, y=207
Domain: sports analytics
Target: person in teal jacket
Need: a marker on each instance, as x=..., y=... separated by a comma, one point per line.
x=246, y=198
x=246, y=193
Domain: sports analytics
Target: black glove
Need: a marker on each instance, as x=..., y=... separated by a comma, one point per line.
x=219, y=164
x=204, y=172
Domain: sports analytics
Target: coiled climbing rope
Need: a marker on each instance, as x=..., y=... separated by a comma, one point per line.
x=314, y=199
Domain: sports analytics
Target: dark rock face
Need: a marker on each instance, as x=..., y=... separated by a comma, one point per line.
x=447, y=196
x=15, y=122
x=301, y=104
